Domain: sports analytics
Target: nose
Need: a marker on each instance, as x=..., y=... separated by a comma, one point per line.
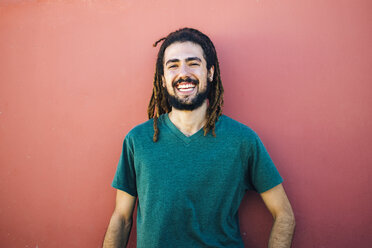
x=184, y=70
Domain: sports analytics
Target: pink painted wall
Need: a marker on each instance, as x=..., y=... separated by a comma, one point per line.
x=76, y=76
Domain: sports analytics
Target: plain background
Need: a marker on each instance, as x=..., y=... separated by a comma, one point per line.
x=76, y=76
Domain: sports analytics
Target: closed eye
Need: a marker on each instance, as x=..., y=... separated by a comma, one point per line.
x=172, y=66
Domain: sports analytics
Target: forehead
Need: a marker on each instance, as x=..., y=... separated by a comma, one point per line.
x=183, y=50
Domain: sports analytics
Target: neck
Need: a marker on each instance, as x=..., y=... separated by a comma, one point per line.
x=189, y=122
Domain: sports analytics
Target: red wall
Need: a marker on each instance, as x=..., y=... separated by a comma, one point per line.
x=76, y=76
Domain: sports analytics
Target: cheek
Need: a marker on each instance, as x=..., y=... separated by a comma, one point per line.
x=168, y=81
x=199, y=73
x=168, y=75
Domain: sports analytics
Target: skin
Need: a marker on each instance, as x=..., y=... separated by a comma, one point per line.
x=118, y=231
x=179, y=63
x=183, y=60
x=277, y=203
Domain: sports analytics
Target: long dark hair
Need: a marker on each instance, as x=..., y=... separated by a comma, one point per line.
x=159, y=104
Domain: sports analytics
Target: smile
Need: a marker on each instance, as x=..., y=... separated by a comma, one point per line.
x=185, y=87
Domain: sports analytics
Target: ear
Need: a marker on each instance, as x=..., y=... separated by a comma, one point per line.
x=210, y=74
x=163, y=81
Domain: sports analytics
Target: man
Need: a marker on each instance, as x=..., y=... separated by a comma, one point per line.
x=189, y=165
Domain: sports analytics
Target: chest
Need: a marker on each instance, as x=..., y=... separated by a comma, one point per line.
x=187, y=169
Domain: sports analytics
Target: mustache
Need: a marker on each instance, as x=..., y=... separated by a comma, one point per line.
x=187, y=80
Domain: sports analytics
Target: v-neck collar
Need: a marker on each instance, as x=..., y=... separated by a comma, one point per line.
x=186, y=139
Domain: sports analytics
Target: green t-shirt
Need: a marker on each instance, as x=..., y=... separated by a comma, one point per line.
x=189, y=188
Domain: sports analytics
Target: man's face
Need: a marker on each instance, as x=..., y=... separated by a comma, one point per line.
x=185, y=75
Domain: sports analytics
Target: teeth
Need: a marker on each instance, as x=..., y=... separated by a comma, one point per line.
x=183, y=86
x=184, y=90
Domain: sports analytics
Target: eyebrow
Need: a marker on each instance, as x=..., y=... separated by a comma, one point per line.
x=187, y=60
x=193, y=58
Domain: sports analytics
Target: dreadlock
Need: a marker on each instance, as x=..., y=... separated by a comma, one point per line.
x=159, y=104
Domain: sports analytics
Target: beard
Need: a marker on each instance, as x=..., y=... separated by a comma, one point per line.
x=181, y=104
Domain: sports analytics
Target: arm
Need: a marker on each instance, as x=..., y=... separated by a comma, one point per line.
x=118, y=231
x=278, y=204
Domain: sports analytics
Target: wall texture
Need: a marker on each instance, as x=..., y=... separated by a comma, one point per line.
x=76, y=76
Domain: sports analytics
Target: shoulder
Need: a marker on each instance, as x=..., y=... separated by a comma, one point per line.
x=141, y=128
x=139, y=134
x=234, y=127
x=145, y=131
x=142, y=132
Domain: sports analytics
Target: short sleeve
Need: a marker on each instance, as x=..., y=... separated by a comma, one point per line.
x=125, y=176
x=262, y=174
